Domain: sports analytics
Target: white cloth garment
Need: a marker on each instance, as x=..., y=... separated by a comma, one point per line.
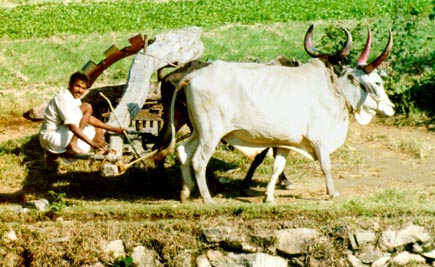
x=54, y=135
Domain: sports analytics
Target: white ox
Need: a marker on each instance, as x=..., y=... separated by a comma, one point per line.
x=305, y=109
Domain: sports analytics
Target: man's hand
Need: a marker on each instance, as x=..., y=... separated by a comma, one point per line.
x=118, y=130
x=100, y=146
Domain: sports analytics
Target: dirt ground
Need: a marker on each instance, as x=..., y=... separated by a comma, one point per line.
x=375, y=157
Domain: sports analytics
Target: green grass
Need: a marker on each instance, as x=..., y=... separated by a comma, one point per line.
x=120, y=16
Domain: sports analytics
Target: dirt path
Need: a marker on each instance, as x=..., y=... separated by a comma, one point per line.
x=375, y=157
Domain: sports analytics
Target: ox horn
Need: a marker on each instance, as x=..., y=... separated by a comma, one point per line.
x=362, y=60
x=309, y=48
x=370, y=67
x=308, y=44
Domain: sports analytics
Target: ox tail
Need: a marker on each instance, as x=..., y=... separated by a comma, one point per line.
x=170, y=131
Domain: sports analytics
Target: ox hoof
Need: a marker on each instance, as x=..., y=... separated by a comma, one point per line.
x=184, y=195
x=334, y=194
x=208, y=201
x=269, y=199
x=288, y=185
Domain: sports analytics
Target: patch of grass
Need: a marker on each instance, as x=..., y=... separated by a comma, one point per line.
x=413, y=146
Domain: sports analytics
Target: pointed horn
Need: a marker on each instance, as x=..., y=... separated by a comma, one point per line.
x=308, y=43
x=346, y=49
x=362, y=60
x=370, y=67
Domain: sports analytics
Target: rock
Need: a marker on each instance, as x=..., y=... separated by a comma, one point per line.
x=404, y=258
x=11, y=259
x=370, y=257
x=22, y=210
x=220, y=259
x=417, y=249
x=40, y=204
x=382, y=261
x=364, y=237
x=9, y=237
x=113, y=250
x=411, y=234
x=216, y=235
x=429, y=255
x=202, y=261
x=144, y=257
x=295, y=241
x=354, y=261
x=262, y=238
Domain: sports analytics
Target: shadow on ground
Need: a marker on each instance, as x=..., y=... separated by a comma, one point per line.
x=86, y=183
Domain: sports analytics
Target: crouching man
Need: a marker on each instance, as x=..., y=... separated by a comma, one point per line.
x=68, y=126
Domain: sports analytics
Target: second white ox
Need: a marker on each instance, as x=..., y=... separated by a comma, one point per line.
x=305, y=109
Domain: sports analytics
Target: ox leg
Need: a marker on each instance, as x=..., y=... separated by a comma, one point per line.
x=185, y=152
x=325, y=165
x=282, y=179
x=278, y=167
x=199, y=163
x=257, y=161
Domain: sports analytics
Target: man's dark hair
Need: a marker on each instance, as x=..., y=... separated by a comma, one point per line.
x=79, y=76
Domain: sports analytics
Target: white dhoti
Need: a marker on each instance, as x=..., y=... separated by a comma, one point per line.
x=58, y=140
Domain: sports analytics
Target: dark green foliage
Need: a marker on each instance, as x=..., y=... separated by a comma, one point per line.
x=423, y=93
x=411, y=75
x=123, y=262
x=120, y=16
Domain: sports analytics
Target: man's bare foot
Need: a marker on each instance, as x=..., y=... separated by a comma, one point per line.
x=73, y=150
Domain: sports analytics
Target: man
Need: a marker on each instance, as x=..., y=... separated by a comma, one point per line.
x=68, y=126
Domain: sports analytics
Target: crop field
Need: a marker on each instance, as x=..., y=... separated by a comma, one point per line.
x=385, y=171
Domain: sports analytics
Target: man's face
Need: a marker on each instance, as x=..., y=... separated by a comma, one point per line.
x=78, y=88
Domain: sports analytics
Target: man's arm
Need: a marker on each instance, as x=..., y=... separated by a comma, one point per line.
x=97, y=123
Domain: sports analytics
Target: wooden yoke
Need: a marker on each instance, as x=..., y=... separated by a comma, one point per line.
x=113, y=54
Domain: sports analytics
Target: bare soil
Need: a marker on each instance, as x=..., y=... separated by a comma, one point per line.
x=375, y=157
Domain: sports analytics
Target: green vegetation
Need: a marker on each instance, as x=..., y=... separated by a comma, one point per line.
x=49, y=19
x=44, y=41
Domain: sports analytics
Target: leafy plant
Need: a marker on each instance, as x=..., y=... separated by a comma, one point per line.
x=406, y=68
x=126, y=261
x=57, y=200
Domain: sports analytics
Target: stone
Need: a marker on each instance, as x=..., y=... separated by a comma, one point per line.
x=404, y=258
x=411, y=234
x=382, y=261
x=39, y=204
x=114, y=249
x=9, y=237
x=144, y=257
x=370, y=257
x=11, y=259
x=216, y=235
x=364, y=237
x=429, y=255
x=295, y=241
x=202, y=261
x=354, y=261
x=222, y=259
